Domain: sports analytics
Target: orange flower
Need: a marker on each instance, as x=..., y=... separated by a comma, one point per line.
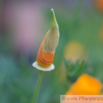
x=99, y=5
x=47, y=49
x=85, y=85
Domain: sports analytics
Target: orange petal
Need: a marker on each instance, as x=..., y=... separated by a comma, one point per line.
x=44, y=59
x=47, y=57
x=85, y=85
x=42, y=63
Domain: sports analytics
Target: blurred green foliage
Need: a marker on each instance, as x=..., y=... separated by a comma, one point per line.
x=18, y=77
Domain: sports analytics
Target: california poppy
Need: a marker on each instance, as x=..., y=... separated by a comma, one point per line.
x=47, y=48
x=85, y=85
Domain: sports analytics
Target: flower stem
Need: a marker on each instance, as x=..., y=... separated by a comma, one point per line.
x=37, y=87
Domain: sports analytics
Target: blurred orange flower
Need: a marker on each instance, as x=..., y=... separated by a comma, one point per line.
x=99, y=5
x=74, y=51
x=85, y=85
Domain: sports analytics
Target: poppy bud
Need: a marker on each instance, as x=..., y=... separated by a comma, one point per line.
x=47, y=48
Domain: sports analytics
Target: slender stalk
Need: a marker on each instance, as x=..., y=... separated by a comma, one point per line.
x=37, y=87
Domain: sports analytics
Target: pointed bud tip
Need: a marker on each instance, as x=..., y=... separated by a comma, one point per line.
x=52, y=9
x=53, y=19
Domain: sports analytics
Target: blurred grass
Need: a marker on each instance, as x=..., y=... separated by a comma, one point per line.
x=18, y=77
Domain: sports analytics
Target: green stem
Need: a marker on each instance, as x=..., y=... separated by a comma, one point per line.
x=38, y=87
x=79, y=71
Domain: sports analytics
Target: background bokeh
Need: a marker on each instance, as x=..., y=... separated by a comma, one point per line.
x=23, y=24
